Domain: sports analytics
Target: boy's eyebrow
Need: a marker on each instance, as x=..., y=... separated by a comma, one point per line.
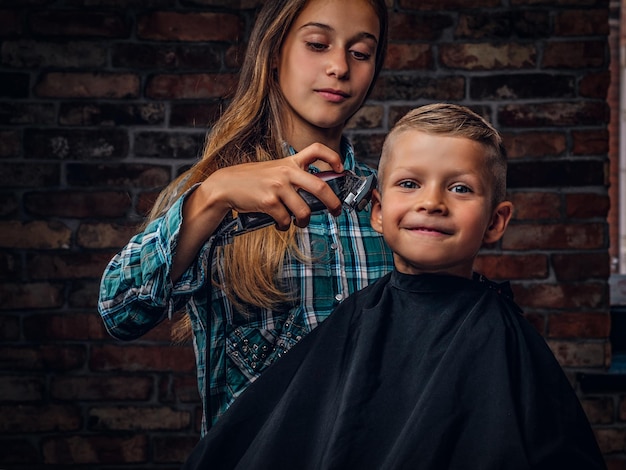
x=363, y=35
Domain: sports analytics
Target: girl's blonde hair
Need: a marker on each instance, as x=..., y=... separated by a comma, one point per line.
x=250, y=130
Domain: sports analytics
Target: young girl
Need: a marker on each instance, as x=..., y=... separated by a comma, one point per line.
x=310, y=65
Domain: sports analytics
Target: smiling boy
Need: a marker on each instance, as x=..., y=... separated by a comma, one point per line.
x=432, y=367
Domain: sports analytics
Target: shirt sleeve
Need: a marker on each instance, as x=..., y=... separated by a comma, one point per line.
x=136, y=291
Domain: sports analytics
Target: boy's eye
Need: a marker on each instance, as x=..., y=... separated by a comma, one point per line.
x=407, y=184
x=461, y=189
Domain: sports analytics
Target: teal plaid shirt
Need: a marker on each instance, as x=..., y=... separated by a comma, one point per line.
x=136, y=293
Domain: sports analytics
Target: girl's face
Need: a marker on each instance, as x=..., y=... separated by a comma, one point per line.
x=326, y=65
x=436, y=209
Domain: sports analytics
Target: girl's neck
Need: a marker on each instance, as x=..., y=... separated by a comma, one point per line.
x=303, y=137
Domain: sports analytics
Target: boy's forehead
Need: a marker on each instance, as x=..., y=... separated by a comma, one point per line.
x=411, y=147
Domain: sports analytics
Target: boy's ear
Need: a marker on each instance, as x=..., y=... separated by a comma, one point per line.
x=499, y=221
x=376, y=217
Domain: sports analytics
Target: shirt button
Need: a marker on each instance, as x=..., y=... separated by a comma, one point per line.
x=333, y=246
x=338, y=297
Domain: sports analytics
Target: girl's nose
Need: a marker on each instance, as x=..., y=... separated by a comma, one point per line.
x=338, y=64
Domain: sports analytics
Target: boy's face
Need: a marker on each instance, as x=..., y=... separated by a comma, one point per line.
x=436, y=209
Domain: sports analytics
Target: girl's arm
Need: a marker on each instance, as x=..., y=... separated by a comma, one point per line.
x=136, y=290
x=269, y=187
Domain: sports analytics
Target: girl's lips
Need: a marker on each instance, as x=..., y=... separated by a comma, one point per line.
x=334, y=96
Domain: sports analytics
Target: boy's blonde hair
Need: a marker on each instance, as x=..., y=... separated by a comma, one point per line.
x=454, y=121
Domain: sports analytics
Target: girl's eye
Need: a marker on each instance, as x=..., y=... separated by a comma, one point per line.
x=461, y=189
x=317, y=46
x=408, y=184
x=361, y=55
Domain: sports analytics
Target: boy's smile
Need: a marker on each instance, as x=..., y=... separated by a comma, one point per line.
x=436, y=209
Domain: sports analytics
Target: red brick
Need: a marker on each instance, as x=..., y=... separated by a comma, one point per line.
x=43, y=358
x=10, y=144
x=21, y=388
x=599, y=410
x=84, y=294
x=78, y=204
x=563, y=296
x=554, y=236
x=581, y=266
x=409, y=57
x=534, y=144
x=579, y=325
x=145, y=202
x=10, y=23
x=417, y=27
x=10, y=266
x=41, y=54
x=594, y=142
x=553, y=114
x=173, y=449
x=191, y=86
x=90, y=449
x=368, y=117
x=76, y=144
x=70, y=265
x=64, y=326
x=611, y=440
x=536, y=205
x=104, y=235
x=411, y=87
x=88, y=85
x=586, y=205
x=28, y=296
x=79, y=23
x=45, y=418
x=180, y=388
x=574, y=54
x=500, y=267
x=18, y=451
x=142, y=358
x=444, y=5
x=128, y=418
x=481, y=56
x=89, y=388
x=195, y=114
x=34, y=235
x=111, y=114
x=595, y=85
x=9, y=328
x=168, y=26
x=582, y=23
x=26, y=175
x=580, y=354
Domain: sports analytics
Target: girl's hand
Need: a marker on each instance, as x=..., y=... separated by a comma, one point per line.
x=271, y=187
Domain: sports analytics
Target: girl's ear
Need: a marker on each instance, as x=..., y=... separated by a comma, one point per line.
x=499, y=221
x=376, y=217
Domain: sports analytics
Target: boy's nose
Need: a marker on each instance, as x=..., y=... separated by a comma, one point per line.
x=432, y=201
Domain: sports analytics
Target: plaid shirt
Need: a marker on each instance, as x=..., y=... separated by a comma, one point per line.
x=136, y=293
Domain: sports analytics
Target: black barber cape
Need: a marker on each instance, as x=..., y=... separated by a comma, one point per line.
x=427, y=372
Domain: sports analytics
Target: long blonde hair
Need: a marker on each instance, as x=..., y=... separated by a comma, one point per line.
x=250, y=131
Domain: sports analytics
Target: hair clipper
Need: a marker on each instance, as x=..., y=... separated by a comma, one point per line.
x=353, y=191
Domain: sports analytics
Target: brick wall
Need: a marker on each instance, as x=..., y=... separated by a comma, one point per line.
x=102, y=102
